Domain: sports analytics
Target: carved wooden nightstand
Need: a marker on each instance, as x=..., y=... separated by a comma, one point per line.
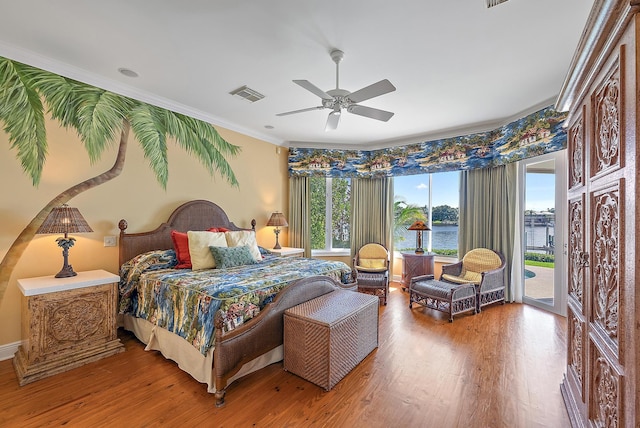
x=66, y=323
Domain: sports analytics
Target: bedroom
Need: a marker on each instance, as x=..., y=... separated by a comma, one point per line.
x=266, y=191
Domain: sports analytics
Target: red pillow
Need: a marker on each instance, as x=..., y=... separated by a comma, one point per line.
x=217, y=229
x=181, y=245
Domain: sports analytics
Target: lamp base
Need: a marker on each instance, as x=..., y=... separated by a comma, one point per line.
x=66, y=272
x=277, y=232
x=419, y=251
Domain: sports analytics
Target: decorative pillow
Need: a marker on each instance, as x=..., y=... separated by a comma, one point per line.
x=373, y=263
x=227, y=257
x=181, y=245
x=218, y=229
x=238, y=238
x=199, y=243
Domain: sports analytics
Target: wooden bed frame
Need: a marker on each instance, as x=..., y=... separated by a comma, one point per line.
x=262, y=334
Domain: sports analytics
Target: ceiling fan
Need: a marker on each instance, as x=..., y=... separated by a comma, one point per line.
x=338, y=99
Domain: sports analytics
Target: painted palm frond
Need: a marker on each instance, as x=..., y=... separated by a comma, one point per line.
x=204, y=141
x=22, y=113
x=149, y=128
x=99, y=118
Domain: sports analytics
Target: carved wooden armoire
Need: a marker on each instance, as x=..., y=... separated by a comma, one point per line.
x=601, y=387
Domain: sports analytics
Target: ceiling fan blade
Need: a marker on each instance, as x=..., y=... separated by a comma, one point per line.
x=372, y=113
x=300, y=111
x=332, y=120
x=374, y=90
x=313, y=88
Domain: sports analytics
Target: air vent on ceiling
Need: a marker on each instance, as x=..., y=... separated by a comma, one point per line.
x=491, y=3
x=247, y=93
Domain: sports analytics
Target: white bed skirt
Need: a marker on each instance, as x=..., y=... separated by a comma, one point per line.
x=188, y=358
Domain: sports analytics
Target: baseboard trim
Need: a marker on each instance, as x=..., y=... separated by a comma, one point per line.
x=8, y=351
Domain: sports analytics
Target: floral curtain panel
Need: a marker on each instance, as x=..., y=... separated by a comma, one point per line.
x=536, y=134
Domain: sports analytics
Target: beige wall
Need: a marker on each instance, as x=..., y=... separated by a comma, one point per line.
x=135, y=196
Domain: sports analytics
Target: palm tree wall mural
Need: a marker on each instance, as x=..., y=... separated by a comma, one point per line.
x=101, y=119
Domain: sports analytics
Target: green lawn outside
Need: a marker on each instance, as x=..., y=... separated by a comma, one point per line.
x=540, y=264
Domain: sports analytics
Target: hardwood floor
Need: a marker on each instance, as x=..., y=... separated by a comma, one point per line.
x=500, y=368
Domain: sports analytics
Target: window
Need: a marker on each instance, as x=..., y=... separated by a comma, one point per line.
x=330, y=213
x=430, y=197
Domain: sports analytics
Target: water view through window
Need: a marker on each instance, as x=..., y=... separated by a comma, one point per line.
x=413, y=201
x=412, y=195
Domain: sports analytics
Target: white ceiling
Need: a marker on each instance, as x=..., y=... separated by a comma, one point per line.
x=458, y=66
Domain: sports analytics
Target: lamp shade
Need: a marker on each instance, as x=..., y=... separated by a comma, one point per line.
x=418, y=225
x=64, y=219
x=277, y=219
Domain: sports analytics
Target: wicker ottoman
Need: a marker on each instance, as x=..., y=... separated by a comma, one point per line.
x=326, y=337
x=442, y=296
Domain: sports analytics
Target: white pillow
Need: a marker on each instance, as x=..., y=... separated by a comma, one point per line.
x=199, y=243
x=237, y=238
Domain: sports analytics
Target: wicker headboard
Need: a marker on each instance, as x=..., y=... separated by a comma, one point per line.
x=192, y=215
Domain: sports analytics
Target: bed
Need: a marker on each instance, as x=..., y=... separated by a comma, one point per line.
x=216, y=324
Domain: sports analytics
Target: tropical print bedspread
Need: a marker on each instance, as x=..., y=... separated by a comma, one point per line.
x=185, y=302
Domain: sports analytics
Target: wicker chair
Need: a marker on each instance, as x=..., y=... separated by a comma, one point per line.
x=371, y=270
x=485, y=269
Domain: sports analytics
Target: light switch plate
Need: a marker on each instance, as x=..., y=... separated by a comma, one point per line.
x=110, y=241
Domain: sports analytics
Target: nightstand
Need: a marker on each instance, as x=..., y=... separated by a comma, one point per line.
x=66, y=323
x=288, y=251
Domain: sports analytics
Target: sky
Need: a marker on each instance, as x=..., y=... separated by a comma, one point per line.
x=414, y=189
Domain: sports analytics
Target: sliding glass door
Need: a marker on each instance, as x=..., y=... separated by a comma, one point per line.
x=543, y=189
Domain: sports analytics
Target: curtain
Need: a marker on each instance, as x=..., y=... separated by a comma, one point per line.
x=371, y=212
x=299, y=214
x=488, y=201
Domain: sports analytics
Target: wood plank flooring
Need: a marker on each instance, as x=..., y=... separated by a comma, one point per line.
x=500, y=368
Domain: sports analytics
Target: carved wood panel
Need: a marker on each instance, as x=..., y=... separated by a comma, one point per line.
x=577, y=250
x=575, y=354
x=606, y=148
x=60, y=322
x=605, y=261
x=606, y=401
x=576, y=152
x=603, y=392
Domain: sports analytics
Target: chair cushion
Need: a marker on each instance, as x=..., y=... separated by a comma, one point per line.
x=460, y=280
x=372, y=263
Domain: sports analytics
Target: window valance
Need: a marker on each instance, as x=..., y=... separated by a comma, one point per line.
x=533, y=135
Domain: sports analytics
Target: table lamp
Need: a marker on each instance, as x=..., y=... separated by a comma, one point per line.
x=65, y=220
x=419, y=226
x=277, y=220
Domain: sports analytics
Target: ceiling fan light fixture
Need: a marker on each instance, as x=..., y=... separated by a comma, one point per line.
x=333, y=120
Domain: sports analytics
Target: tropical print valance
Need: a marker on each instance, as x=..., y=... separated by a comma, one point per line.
x=536, y=134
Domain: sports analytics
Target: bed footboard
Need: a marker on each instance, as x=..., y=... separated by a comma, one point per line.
x=243, y=344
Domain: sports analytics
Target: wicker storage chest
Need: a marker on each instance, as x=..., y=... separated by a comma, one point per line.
x=326, y=337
